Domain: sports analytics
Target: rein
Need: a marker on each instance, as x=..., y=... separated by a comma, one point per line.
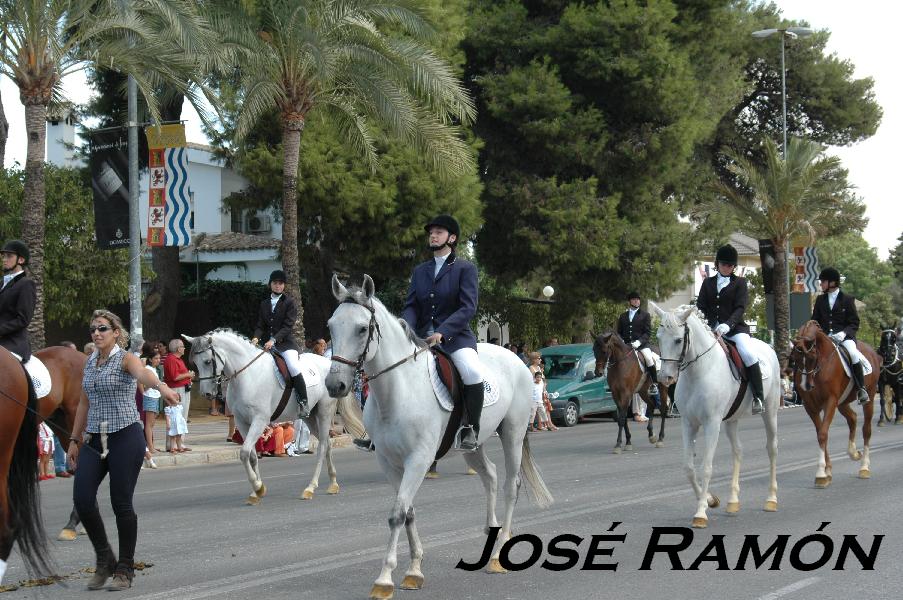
x=805, y=352
x=221, y=378
x=681, y=365
x=373, y=328
x=887, y=365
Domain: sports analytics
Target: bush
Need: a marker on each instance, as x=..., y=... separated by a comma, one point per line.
x=231, y=304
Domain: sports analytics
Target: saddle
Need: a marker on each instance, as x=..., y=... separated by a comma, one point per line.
x=737, y=366
x=452, y=380
x=287, y=392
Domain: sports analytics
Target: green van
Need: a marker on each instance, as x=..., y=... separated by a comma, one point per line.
x=574, y=390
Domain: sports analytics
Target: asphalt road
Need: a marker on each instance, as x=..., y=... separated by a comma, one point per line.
x=203, y=542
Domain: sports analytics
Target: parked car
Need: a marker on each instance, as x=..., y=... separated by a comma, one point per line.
x=574, y=390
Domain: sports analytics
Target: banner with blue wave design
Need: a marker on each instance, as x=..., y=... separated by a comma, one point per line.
x=169, y=208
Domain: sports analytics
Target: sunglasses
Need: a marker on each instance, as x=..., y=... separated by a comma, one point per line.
x=100, y=328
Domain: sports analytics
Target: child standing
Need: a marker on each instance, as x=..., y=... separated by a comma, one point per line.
x=538, y=410
x=177, y=427
x=45, y=451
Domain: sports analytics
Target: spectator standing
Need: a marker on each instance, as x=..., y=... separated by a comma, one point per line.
x=45, y=451
x=108, y=423
x=151, y=404
x=177, y=375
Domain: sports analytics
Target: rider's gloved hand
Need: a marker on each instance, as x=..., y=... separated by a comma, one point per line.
x=636, y=343
x=839, y=336
x=722, y=328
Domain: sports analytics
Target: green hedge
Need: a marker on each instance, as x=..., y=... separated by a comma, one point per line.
x=230, y=304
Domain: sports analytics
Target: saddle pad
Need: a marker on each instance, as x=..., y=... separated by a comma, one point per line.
x=311, y=375
x=656, y=359
x=40, y=376
x=490, y=387
x=866, y=364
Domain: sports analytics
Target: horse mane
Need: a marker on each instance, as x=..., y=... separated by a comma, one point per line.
x=669, y=318
x=195, y=347
x=356, y=295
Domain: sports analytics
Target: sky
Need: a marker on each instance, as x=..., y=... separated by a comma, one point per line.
x=865, y=32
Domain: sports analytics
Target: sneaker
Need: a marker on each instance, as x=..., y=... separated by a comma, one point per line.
x=363, y=444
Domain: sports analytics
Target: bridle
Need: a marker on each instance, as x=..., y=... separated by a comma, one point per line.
x=681, y=364
x=805, y=351
x=220, y=379
x=887, y=364
x=373, y=332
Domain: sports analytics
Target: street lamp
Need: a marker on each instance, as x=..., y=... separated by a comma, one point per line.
x=548, y=291
x=785, y=33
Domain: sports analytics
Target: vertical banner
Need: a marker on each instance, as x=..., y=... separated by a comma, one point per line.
x=805, y=277
x=168, y=211
x=109, y=164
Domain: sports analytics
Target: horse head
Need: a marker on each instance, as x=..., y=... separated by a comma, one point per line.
x=673, y=339
x=804, y=354
x=888, y=346
x=602, y=350
x=354, y=332
x=201, y=356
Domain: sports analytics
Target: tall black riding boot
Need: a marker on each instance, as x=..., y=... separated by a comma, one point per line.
x=859, y=380
x=473, y=406
x=301, y=395
x=754, y=375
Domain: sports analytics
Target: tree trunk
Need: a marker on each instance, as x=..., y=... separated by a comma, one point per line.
x=781, y=301
x=162, y=302
x=291, y=146
x=320, y=301
x=33, y=210
x=4, y=134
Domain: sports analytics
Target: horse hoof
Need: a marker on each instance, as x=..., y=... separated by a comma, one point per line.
x=659, y=444
x=732, y=508
x=412, y=582
x=857, y=456
x=253, y=500
x=431, y=475
x=67, y=535
x=307, y=494
x=333, y=488
x=382, y=591
x=700, y=522
x=469, y=471
x=899, y=421
x=864, y=474
x=617, y=450
x=628, y=447
x=261, y=491
x=771, y=506
x=495, y=567
x=714, y=501
x=881, y=423
x=653, y=439
x=822, y=482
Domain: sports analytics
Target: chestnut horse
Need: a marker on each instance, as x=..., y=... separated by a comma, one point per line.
x=20, y=413
x=626, y=378
x=823, y=386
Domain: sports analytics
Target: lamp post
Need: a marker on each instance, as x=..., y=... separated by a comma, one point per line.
x=548, y=291
x=785, y=33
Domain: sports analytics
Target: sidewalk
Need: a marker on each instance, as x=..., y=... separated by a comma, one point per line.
x=207, y=439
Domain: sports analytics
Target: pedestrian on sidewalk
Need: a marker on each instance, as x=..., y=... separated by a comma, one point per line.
x=178, y=377
x=107, y=422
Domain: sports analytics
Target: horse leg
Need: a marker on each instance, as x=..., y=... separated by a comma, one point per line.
x=710, y=432
x=689, y=435
x=413, y=577
x=621, y=424
x=830, y=408
x=513, y=447
x=733, y=500
x=649, y=414
x=248, y=455
x=850, y=415
x=627, y=415
x=771, y=445
x=664, y=407
x=867, y=414
x=479, y=462
x=323, y=423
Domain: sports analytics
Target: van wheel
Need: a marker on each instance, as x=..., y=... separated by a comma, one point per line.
x=571, y=414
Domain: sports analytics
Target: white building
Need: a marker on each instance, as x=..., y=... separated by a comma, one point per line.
x=244, y=246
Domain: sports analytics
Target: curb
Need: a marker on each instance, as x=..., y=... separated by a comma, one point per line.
x=220, y=455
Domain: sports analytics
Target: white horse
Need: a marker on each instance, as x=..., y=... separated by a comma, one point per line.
x=253, y=393
x=406, y=422
x=705, y=391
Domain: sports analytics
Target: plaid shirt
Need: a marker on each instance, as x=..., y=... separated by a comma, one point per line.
x=111, y=393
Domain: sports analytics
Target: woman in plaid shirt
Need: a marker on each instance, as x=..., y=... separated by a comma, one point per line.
x=108, y=423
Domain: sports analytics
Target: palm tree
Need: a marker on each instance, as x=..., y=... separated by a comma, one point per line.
x=365, y=66
x=802, y=193
x=155, y=41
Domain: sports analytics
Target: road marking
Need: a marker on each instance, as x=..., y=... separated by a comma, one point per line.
x=227, y=585
x=793, y=587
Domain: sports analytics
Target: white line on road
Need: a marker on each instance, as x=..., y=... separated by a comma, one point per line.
x=789, y=589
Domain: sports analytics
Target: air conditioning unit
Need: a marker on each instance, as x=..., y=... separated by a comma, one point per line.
x=257, y=223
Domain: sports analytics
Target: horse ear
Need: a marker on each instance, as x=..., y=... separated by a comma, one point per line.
x=188, y=338
x=685, y=314
x=658, y=310
x=369, y=287
x=338, y=290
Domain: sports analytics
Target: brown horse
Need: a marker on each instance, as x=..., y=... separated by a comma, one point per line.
x=821, y=382
x=625, y=378
x=20, y=413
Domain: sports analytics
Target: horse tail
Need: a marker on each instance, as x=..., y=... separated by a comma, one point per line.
x=529, y=473
x=23, y=493
x=352, y=415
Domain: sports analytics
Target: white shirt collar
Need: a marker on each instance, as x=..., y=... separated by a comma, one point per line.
x=440, y=260
x=10, y=277
x=832, y=297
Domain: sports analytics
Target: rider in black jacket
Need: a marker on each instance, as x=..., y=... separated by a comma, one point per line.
x=17, y=300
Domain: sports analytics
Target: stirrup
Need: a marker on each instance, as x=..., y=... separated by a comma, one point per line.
x=757, y=407
x=364, y=444
x=863, y=396
x=468, y=444
x=303, y=410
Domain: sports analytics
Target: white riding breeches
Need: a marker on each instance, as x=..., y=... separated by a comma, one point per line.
x=292, y=361
x=850, y=345
x=648, y=357
x=467, y=361
x=744, y=347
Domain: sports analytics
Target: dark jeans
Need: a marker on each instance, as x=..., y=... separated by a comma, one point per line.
x=123, y=463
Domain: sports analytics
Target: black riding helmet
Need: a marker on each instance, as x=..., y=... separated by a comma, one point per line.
x=633, y=295
x=18, y=248
x=829, y=274
x=447, y=222
x=726, y=254
x=277, y=275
